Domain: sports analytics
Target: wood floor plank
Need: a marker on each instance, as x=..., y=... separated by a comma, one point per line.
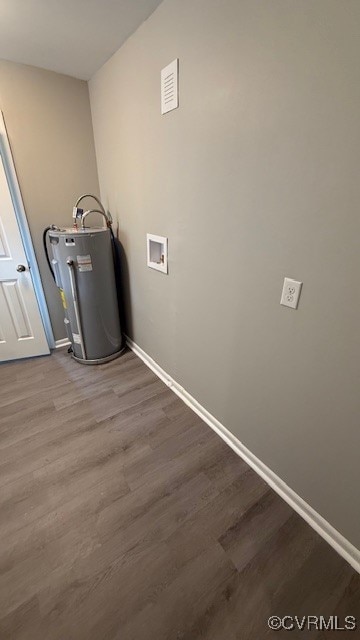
x=249, y=534
x=124, y=517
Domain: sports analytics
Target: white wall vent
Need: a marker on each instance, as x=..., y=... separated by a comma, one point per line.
x=170, y=87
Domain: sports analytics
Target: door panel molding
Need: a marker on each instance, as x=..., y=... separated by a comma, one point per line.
x=4, y=247
x=10, y=171
x=15, y=304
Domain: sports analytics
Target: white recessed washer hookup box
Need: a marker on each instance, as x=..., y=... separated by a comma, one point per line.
x=157, y=252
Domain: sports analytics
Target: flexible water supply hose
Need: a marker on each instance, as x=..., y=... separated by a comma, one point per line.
x=102, y=213
x=89, y=195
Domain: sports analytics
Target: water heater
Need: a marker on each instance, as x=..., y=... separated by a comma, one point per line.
x=82, y=263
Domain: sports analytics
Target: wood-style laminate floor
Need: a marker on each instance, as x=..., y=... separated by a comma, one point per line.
x=124, y=517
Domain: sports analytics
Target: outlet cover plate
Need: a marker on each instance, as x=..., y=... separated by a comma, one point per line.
x=291, y=293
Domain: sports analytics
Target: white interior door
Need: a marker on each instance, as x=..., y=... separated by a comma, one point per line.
x=22, y=333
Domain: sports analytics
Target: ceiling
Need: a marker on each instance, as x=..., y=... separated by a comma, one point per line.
x=74, y=37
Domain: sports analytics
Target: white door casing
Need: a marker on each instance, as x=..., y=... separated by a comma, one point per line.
x=22, y=332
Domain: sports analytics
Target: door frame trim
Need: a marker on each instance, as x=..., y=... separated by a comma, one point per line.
x=12, y=179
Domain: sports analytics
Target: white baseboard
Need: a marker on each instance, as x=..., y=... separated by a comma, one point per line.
x=64, y=342
x=347, y=550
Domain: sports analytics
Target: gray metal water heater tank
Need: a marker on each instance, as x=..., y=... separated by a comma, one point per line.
x=84, y=272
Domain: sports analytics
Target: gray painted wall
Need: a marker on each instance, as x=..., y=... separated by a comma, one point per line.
x=255, y=177
x=48, y=120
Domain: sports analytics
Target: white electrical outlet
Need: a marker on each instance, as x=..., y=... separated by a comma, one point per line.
x=291, y=293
